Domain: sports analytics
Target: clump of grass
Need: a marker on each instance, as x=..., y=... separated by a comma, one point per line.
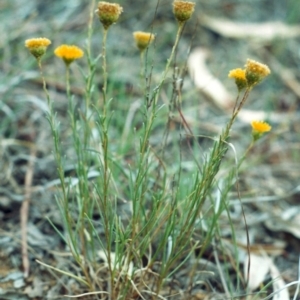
x=166, y=222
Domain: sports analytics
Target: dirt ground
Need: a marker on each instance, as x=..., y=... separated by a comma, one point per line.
x=223, y=34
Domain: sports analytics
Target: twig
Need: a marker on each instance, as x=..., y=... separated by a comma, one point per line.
x=24, y=211
x=86, y=294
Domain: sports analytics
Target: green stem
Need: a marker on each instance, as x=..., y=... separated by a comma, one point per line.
x=169, y=61
x=150, y=120
x=58, y=160
x=104, y=67
x=54, y=133
x=142, y=62
x=68, y=87
x=210, y=171
x=150, y=116
x=106, y=173
x=89, y=81
x=81, y=176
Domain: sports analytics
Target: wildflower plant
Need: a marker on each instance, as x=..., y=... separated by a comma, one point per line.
x=142, y=249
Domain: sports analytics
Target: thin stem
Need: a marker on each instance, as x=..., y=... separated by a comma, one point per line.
x=106, y=173
x=142, y=62
x=104, y=68
x=58, y=159
x=81, y=173
x=154, y=100
x=54, y=132
x=150, y=114
x=209, y=172
x=68, y=87
x=151, y=117
x=169, y=61
x=90, y=28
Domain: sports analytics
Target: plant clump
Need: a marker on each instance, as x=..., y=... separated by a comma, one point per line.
x=163, y=218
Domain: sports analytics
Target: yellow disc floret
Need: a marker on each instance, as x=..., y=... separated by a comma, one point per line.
x=68, y=53
x=240, y=78
x=255, y=72
x=108, y=13
x=259, y=128
x=143, y=39
x=37, y=46
x=183, y=10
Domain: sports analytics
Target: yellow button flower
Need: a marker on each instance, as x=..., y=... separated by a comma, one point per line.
x=143, y=39
x=37, y=46
x=240, y=78
x=259, y=128
x=183, y=10
x=68, y=53
x=108, y=13
x=255, y=72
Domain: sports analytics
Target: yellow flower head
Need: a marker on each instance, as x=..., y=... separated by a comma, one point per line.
x=259, y=128
x=143, y=39
x=37, y=46
x=108, y=13
x=255, y=72
x=183, y=10
x=240, y=78
x=68, y=53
